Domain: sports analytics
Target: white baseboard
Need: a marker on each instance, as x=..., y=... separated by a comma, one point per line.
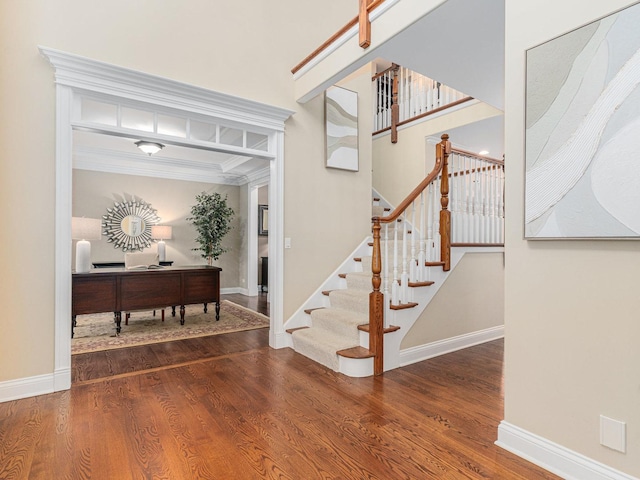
x=282, y=340
x=555, y=458
x=26, y=387
x=434, y=349
x=240, y=290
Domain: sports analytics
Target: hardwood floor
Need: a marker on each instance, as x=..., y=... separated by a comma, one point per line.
x=242, y=410
x=257, y=303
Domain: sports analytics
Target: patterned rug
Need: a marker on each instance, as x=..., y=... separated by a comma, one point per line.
x=98, y=332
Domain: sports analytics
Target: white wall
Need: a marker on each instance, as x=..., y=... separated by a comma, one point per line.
x=571, y=307
x=243, y=48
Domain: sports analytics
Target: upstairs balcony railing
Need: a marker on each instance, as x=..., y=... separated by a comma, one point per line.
x=403, y=96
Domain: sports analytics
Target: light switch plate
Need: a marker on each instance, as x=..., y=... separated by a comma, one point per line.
x=613, y=434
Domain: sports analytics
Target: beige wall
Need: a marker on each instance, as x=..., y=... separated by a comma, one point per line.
x=333, y=214
x=571, y=307
x=243, y=48
x=470, y=300
x=399, y=167
x=94, y=192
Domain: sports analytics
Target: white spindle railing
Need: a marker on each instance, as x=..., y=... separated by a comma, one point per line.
x=477, y=202
x=477, y=217
x=417, y=95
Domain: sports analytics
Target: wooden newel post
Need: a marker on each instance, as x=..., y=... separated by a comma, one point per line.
x=376, y=305
x=443, y=151
x=395, y=107
x=364, y=34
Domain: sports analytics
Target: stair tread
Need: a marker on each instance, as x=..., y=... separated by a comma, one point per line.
x=389, y=329
x=421, y=284
x=291, y=330
x=433, y=264
x=402, y=306
x=309, y=310
x=356, y=274
x=356, y=352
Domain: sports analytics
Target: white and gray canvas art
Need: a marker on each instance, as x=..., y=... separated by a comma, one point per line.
x=341, y=111
x=582, y=177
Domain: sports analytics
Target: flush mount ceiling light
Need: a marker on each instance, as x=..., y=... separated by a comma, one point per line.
x=149, y=147
x=483, y=152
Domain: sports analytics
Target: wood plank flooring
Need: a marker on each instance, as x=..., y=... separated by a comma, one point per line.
x=245, y=411
x=258, y=303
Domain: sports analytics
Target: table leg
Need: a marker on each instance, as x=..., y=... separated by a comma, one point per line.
x=181, y=314
x=205, y=308
x=173, y=310
x=218, y=310
x=73, y=324
x=118, y=321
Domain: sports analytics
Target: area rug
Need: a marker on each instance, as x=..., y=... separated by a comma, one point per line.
x=97, y=332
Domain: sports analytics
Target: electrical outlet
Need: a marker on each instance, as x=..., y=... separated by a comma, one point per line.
x=613, y=434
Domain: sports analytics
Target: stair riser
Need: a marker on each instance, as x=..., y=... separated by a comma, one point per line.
x=333, y=323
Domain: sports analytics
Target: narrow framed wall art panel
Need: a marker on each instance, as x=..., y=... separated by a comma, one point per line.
x=341, y=128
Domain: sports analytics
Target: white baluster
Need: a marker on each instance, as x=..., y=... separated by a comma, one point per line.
x=404, y=278
x=454, y=193
x=492, y=221
x=482, y=198
x=467, y=199
x=405, y=103
x=501, y=205
x=385, y=262
x=422, y=258
x=395, y=293
x=413, y=274
x=430, y=223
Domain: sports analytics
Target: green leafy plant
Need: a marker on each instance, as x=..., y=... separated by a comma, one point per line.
x=212, y=218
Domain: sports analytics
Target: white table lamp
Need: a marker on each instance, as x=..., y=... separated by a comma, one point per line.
x=83, y=230
x=161, y=233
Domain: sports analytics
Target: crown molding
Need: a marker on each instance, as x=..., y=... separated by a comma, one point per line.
x=103, y=78
x=108, y=161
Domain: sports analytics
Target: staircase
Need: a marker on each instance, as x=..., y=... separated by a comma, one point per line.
x=354, y=323
x=336, y=334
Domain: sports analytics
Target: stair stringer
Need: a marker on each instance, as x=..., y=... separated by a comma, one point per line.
x=318, y=299
x=405, y=319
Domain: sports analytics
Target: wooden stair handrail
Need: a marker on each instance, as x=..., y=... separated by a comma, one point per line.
x=370, y=8
x=479, y=157
x=376, y=297
x=445, y=147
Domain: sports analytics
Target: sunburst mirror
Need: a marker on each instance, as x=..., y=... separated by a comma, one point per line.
x=128, y=225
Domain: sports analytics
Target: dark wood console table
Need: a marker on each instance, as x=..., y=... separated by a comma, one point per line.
x=118, y=290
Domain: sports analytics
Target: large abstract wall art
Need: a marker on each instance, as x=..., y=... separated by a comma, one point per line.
x=341, y=123
x=582, y=159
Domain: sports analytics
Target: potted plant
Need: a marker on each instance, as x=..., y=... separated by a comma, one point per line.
x=212, y=218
